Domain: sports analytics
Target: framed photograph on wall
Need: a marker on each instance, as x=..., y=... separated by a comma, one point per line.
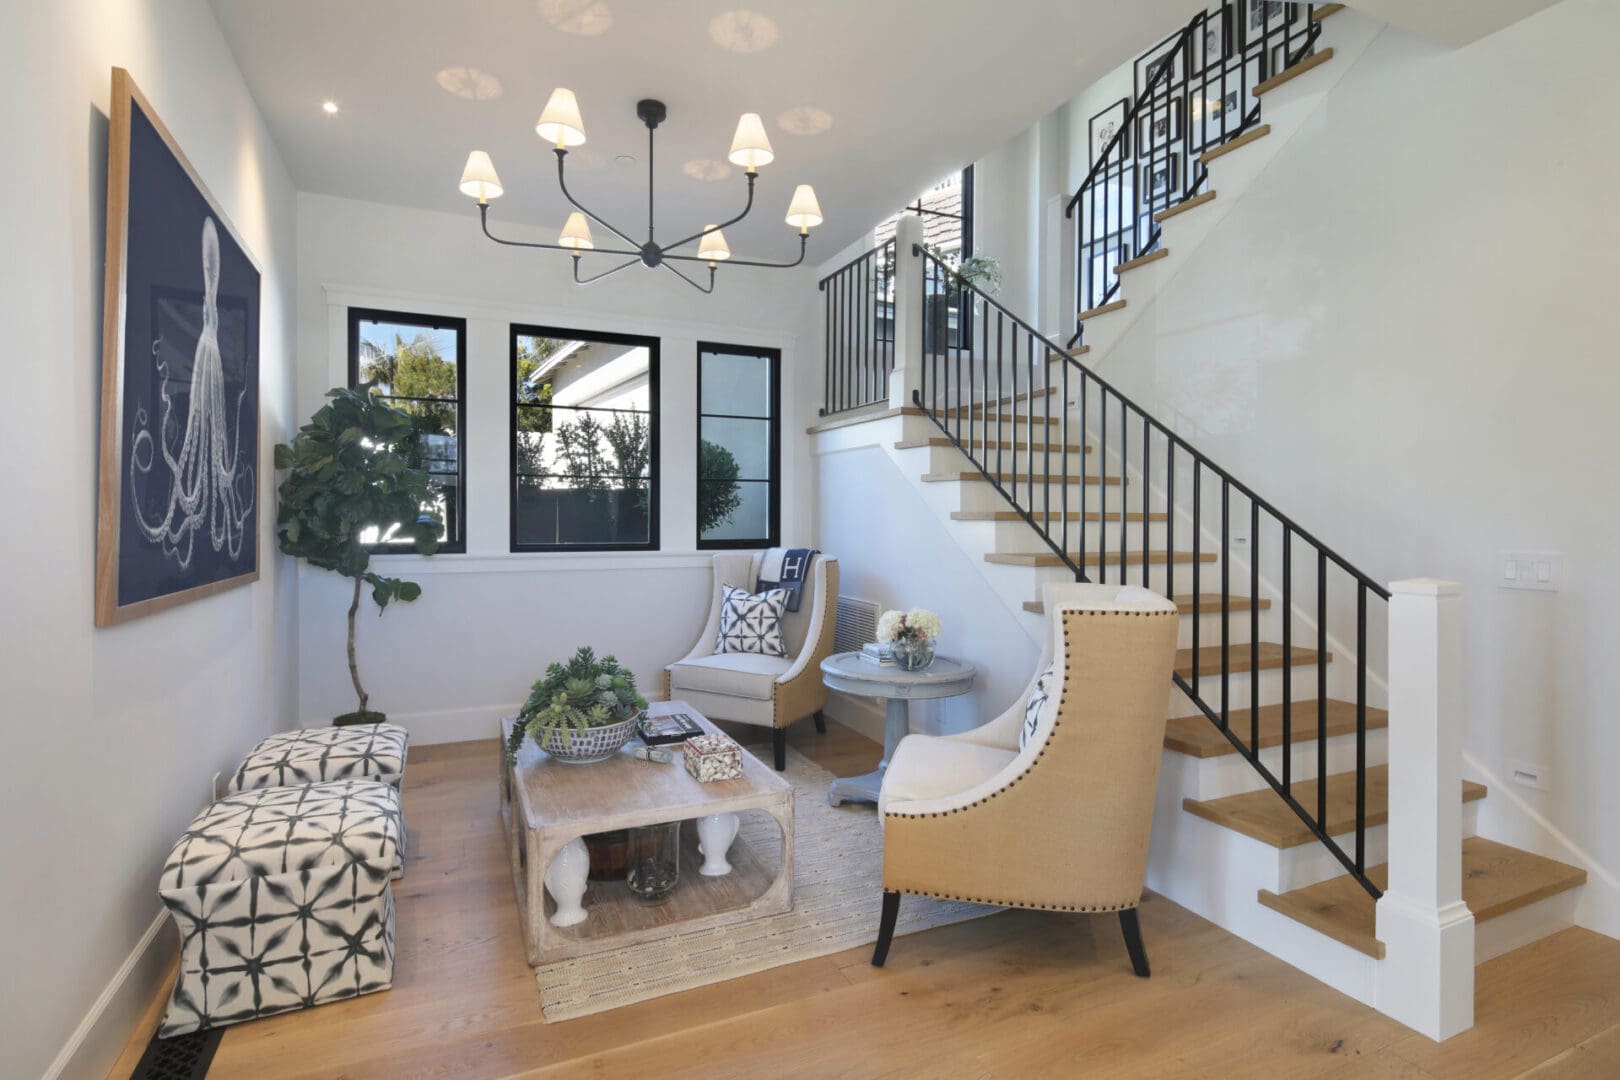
x=1158, y=126
x=1212, y=47
x=1104, y=126
x=178, y=494
x=1280, y=55
x=1263, y=19
x=1166, y=53
x=1159, y=181
x=1216, y=112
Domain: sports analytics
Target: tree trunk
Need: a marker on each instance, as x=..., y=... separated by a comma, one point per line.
x=354, y=669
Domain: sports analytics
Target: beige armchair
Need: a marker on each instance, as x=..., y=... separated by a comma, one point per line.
x=770, y=691
x=1063, y=823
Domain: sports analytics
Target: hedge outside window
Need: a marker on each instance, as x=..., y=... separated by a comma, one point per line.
x=584, y=440
x=739, y=446
x=417, y=363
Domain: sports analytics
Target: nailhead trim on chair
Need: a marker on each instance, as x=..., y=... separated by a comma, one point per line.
x=1038, y=754
x=1022, y=904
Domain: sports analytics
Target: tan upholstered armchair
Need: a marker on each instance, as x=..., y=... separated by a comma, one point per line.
x=770, y=691
x=1063, y=823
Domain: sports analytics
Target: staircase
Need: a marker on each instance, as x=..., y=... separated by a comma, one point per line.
x=1274, y=812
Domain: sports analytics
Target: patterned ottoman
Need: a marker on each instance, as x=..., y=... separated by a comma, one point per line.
x=282, y=900
x=310, y=755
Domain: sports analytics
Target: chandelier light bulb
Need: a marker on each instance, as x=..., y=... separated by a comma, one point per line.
x=750, y=147
x=713, y=246
x=561, y=123
x=478, y=179
x=576, y=233
x=804, y=212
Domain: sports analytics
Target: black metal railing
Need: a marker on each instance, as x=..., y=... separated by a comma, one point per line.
x=1195, y=91
x=858, y=313
x=1106, y=488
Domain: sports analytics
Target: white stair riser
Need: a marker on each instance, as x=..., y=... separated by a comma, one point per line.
x=1016, y=536
x=948, y=459
x=1310, y=863
x=1231, y=774
x=977, y=494
x=1530, y=923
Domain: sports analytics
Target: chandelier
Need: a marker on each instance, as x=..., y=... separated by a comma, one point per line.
x=562, y=125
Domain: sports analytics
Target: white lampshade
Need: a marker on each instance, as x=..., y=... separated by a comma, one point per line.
x=804, y=211
x=713, y=245
x=478, y=179
x=560, y=123
x=749, y=147
x=576, y=233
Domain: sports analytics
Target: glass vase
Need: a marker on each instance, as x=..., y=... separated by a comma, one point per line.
x=655, y=861
x=913, y=655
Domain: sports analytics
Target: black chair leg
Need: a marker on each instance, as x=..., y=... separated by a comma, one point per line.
x=891, y=911
x=1133, y=941
x=821, y=722
x=779, y=745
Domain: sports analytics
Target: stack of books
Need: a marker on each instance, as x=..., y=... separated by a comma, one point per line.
x=670, y=727
x=880, y=654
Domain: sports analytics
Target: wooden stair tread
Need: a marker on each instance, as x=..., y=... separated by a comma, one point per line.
x=1265, y=817
x=1294, y=72
x=1021, y=419
x=1005, y=399
x=1324, y=10
x=1196, y=737
x=1072, y=515
x=1040, y=447
x=1184, y=604
x=1007, y=478
x=1078, y=350
x=1258, y=132
x=1142, y=260
x=1183, y=206
x=1271, y=656
x=1101, y=309
x=1496, y=879
x=1092, y=558
x=865, y=414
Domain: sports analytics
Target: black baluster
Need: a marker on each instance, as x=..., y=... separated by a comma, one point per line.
x=1102, y=488
x=1361, y=728
x=1197, y=563
x=1287, y=648
x=1085, y=470
x=1321, y=689
x=1254, y=626
x=1226, y=600
x=1147, y=435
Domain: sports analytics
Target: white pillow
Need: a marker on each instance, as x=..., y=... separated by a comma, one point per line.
x=1037, y=701
x=751, y=622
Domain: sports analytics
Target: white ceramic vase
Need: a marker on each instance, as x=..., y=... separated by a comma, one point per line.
x=715, y=834
x=565, y=881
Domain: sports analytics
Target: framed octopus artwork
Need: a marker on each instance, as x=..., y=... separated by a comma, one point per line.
x=179, y=495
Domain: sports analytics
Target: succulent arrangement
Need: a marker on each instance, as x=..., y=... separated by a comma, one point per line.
x=584, y=693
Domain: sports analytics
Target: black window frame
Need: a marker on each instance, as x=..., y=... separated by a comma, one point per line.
x=653, y=346
x=774, y=482
x=358, y=315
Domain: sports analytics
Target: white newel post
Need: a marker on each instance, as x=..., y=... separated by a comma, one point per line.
x=908, y=304
x=1426, y=979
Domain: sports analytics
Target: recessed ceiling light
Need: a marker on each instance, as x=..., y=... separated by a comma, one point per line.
x=329, y=107
x=706, y=169
x=804, y=120
x=624, y=159
x=469, y=83
x=743, y=31
x=587, y=18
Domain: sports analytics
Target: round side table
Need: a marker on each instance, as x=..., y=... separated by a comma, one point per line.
x=848, y=673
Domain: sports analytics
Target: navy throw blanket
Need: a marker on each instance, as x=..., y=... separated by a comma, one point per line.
x=786, y=568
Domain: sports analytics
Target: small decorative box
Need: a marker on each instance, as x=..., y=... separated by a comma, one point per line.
x=712, y=757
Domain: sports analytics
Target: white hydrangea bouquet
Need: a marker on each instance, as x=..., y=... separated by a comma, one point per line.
x=911, y=635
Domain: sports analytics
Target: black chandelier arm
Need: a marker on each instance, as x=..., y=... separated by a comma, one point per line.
x=689, y=281
x=723, y=225
x=483, y=217
x=561, y=153
x=803, y=241
x=605, y=273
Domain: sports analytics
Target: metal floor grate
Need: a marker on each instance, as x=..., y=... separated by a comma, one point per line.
x=184, y=1057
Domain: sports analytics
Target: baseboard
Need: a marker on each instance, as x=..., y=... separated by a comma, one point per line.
x=450, y=725
x=864, y=715
x=101, y=1036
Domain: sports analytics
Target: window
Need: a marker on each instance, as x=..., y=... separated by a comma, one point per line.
x=946, y=210
x=584, y=441
x=739, y=446
x=416, y=362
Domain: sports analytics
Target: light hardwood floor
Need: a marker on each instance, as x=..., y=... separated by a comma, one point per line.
x=1019, y=994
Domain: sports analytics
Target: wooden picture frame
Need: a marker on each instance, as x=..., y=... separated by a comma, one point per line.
x=178, y=500
x=1102, y=128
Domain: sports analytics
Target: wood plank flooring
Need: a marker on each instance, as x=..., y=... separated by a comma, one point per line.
x=1015, y=995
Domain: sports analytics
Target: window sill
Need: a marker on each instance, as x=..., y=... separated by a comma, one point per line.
x=530, y=562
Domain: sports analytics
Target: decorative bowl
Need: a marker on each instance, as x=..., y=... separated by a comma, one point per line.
x=581, y=746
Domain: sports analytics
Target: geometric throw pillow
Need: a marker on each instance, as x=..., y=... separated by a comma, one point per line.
x=751, y=622
x=1037, y=701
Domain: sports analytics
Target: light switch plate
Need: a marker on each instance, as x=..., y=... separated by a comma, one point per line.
x=1538, y=571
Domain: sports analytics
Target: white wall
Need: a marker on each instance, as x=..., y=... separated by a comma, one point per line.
x=489, y=621
x=111, y=737
x=1405, y=320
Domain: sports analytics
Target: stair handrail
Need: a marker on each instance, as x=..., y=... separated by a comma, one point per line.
x=941, y=381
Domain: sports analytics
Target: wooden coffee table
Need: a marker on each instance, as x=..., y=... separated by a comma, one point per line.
x=546, y=803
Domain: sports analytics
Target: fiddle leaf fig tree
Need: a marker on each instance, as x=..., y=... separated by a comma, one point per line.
x=352, y=469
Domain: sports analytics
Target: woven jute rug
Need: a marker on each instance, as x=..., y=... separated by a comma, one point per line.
x=837, y=886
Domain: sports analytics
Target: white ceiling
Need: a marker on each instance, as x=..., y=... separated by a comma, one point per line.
x=1452, y=22
x=914, y=89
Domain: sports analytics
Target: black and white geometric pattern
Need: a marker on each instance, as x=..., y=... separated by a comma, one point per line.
x=282, y=900
x=751, y=622
x=1038, y=698
x=311, y=755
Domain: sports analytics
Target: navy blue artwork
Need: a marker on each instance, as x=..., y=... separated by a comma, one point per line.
x=189, y=407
